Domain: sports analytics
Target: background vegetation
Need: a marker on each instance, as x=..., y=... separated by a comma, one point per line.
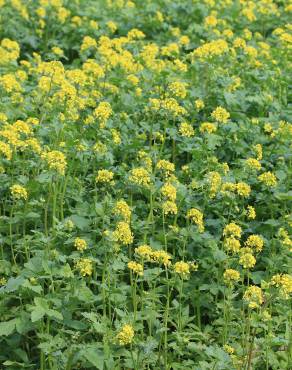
x=145, y=179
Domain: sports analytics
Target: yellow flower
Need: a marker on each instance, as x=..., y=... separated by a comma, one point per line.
x=3, y=117
x=159, y=136
x=259, y=151
x=199, y=104
x=178, y=89
x=136, y=267
x=169, y=207
x=135, y=34
x=268, y=178
x=100, y=148
x=243, y=189
x=122, y=209
x=284, y=282
x=210, y=49
x=91, y=67
x=9, y=83
x=34, y=145
x=268, y=128
x=228, y=33
x=161, y=256
x=247, y=260
x=104, y=176
x=84, y=265
x=211, y=21
x=208, y=127
x=250, y=212
x=283, y=234
x=182, y=268
x=232, y=230
x=184, y=40
x=159, y=16
x=166, y=166
x=254, y=296
x=6, y=150
x=103, y=113
x=123, y=233
x=230, y=350
x=9, y=51
x=112, y=26
x=266, y=315
x=170, y=49
x=232, y=245
x=186, y=130
x=234, y=84
x=248, y=12
x=80, y=244
x=169, y=191
x=230, y=276
x=220, y=115
x=215, y=181
x=196, y=217
x=69, y=225
x=58, y=51
x=125, y=335
x=144, y=251
x=87, y=43
x=145, y=158
x=133, y=79
x=3, y=281
x=140, y=176
x=228, y=187
x=18, y=192
x=180, y=66
x=93, y=25
x=253, y=164
x=63, y=14
x=116, y=136
x=56, y=160
x=255, y=241
x=173, y=107
x=276, y=280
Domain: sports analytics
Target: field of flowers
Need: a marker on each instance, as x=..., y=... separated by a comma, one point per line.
x=146, y=184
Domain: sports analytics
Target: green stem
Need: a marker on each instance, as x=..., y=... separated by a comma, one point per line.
x=11, y=236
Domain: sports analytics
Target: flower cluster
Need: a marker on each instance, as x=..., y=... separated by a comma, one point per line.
x=80, y=244
x=254, y=296
x=18, y=192
x=56, y=161
x=85, y=266
x=123, y=234
x=196, y=216
x=125, y=335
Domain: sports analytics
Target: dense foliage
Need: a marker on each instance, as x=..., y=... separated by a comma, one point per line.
x=145, y=181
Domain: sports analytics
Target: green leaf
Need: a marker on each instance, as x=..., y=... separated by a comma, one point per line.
x=37, y=314
x=44, y=178
x=84, y=294
x=281, y=175
x=66, y=271
x=219, y=255
x=42, y=303
x=14, y=283
x=95, y=357
x=16, y=364
x=81, y=222
x=54, y=314
x=7, y=327
x=35, y=288
x=284, y=196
